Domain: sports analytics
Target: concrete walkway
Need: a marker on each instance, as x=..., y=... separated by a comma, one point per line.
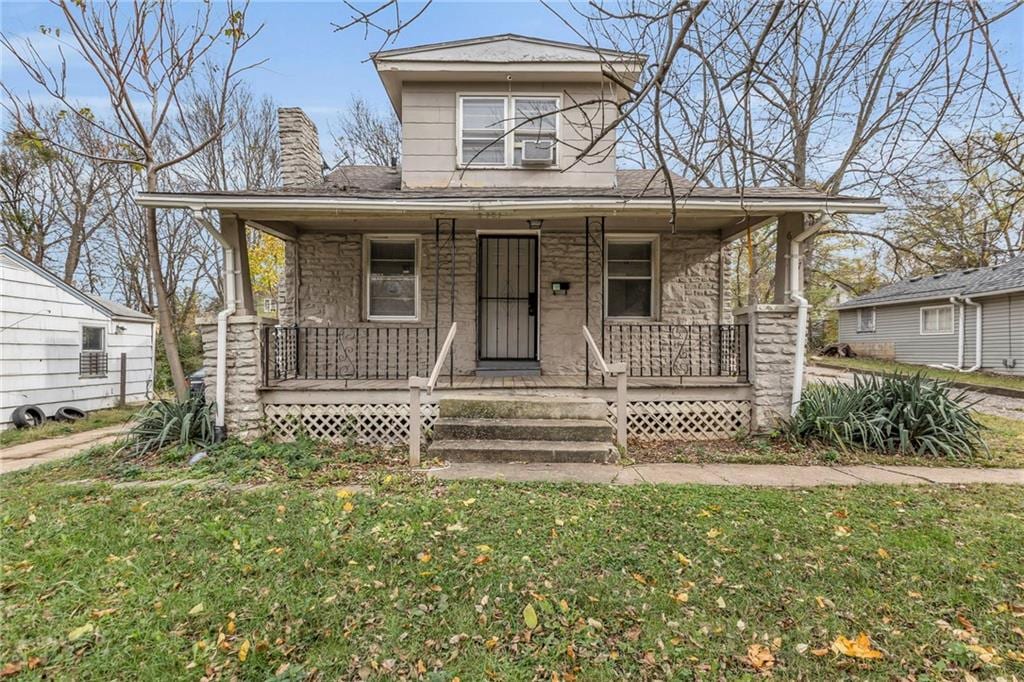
x=23, y=456
x=765, y=475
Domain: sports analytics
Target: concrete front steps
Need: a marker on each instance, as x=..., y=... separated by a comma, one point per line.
x=523, y=429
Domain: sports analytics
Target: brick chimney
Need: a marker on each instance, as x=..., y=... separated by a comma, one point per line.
x=301, y=163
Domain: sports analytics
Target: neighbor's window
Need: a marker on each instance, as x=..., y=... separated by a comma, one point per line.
x=630, y=277
x=483, y=131
x=92, y=361
x=937, y=320
x=535, y=121
x=392, y=279
x=866, y=320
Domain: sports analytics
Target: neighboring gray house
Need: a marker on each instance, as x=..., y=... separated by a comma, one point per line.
x=969, y=319
x=491, y=262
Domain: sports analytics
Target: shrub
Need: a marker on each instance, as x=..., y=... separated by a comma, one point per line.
x=187, y=423
x=894, y=414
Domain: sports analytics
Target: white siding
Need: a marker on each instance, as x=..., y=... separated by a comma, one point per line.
x=40, y=342
x=1002, y=333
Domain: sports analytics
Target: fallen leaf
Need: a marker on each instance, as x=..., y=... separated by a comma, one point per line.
x=714, y=533
x=802, y=648
x=342, y=494
x=968, y=625
x=81, y=632
x=819, y=652
x=424, y=557
x=760, y=657
x=100, y=613
x=243, y=651
x=855, y=648
x=530, y=616
x=883, y=554
x=481, y=559
x=682, y=559
x=721, y=603
x=681, y=597
x=347, y=507
x=198, y=608
x=468, y=501
x=10, y=669
x=842, y=531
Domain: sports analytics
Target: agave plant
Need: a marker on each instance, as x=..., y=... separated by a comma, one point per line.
x=894, y=414
x=184, y=423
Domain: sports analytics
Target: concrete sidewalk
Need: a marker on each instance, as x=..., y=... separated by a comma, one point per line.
x=765, y=475
x=26, y=455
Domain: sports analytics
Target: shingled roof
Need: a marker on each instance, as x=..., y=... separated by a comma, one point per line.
x=1008, y=276
x=385, y=182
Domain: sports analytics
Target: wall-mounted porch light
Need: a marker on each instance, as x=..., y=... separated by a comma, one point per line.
x=535, y=223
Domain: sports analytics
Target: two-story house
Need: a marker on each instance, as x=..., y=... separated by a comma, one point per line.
x=499, y=262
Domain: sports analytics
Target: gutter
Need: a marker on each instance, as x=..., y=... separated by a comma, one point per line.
x=403, y=205
x=220, y=430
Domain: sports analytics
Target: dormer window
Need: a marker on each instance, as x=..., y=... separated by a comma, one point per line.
x=503, y=132
x=483, y=131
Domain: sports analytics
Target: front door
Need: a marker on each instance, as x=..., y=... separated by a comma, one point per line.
x=507, y=297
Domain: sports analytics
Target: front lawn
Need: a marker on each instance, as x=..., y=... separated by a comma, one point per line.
x=888, y=367
x=481, y=580
x=96, y=419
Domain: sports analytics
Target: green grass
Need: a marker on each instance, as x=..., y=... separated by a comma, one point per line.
x=976, y=378
x=54, y=429
x=172, y=583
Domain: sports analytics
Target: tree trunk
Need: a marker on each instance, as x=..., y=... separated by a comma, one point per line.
x=163, y=301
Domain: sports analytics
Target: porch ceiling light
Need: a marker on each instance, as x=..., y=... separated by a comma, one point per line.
x=535, y=223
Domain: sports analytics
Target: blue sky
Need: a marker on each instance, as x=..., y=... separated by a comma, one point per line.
x=309, y=64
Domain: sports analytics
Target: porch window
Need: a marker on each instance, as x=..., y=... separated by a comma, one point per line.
x=392, y=273
x=866, y=320
x=535, y=121
x=630, y=277
x=482, y=133
x=937, y=319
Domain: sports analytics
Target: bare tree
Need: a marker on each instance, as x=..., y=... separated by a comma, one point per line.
x=364, y=136
x=145, y=58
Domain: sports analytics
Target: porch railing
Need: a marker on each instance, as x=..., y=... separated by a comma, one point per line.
x=657, y=349
x=354, y=352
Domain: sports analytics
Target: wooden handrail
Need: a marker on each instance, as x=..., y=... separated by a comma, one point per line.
x=439, y=363
x=416, y=385
x=618, y=371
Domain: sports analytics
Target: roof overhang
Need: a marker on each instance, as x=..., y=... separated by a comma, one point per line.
x=503, y=58
x=500, y=207
x=854, y=305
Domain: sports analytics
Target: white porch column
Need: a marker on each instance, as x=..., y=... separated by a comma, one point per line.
x=233, y=230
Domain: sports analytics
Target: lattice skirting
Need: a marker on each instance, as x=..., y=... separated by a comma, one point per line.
x=648, y=420
x=385, y=425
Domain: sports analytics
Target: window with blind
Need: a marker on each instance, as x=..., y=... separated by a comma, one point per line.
x=483, y=131
x=937, y=320
x=392, y=272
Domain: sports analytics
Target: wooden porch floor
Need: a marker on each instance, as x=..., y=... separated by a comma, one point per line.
x=577, y=381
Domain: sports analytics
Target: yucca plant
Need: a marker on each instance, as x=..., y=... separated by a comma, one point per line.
x=170, y=422
x=893, y=414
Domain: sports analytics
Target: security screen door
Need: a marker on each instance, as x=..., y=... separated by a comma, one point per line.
x=507, y=297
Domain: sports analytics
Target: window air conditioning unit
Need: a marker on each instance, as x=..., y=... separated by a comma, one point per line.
x=538, y=152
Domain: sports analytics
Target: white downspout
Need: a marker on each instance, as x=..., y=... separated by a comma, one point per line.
x=960, y=339
x=796, y=293
x=977, y=335
x=222, y=326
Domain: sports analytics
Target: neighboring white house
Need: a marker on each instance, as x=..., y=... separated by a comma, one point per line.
x=59, y=346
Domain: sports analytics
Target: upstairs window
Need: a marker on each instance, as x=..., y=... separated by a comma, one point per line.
x=483, y=131
x=494, y=131
x=630, y=277
x=536, y=122
x=392, y=287
x=937, y=320
x=866, y=320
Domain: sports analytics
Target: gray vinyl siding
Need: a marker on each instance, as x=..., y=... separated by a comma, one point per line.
x=1002, y=327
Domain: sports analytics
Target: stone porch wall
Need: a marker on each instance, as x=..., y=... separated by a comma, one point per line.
x=323, y=286
x=772, y=356
x=243, y=410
